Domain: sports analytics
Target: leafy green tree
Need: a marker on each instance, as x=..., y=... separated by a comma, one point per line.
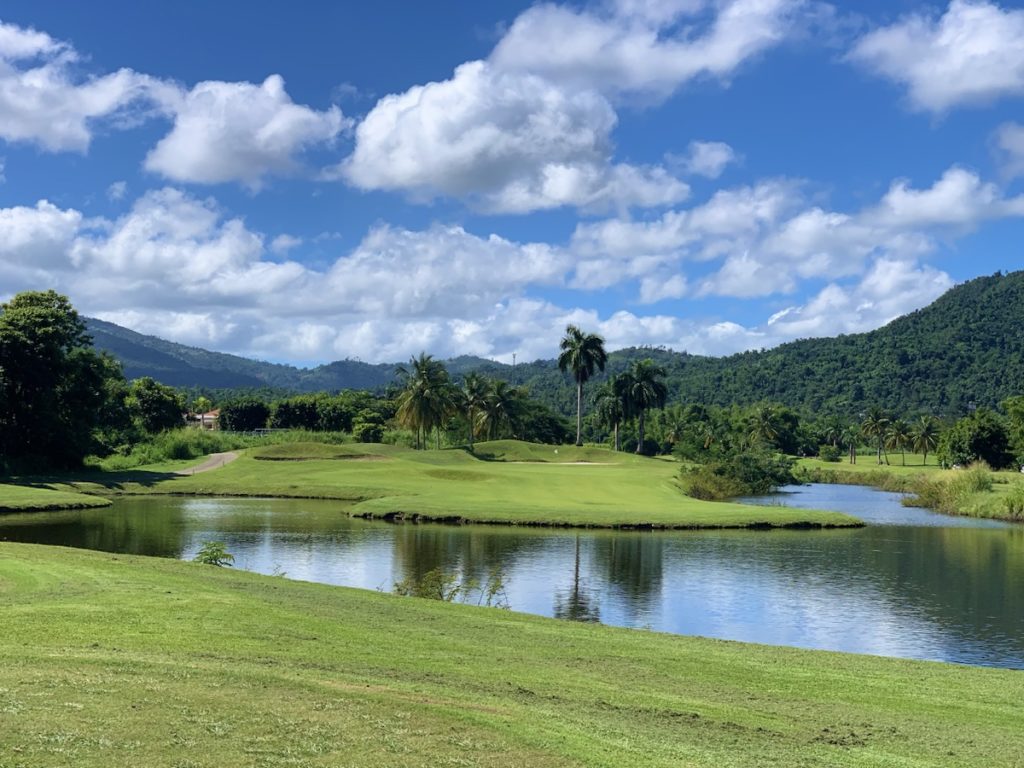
x=924, y=436
x=55, y=391
x=214, y=553
x=581, y=354
x=427, y=399
x=155, y=407
x=764, y=424
x=981, y=435
x=642, y=387
x=244, y=414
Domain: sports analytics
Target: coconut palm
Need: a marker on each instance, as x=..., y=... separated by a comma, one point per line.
x=897, y=438
x=582, y=354
x=642, y=387
x=874, y=426
x=924, y=436
x=763, y=424
x=502, y=408
x=474, y=397
x=427, y=399
x=850, y=436
x=610, y=409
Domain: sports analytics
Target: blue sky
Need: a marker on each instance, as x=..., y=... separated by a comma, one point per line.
x=305, y=183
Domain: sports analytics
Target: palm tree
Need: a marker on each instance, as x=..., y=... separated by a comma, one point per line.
x=610, y=410
x=764, y=424
x=642, y=387
x=474, y=396
x=502, y=408
x=582, y=354
x=427, y=399
x=897, y=437
x=850, y=436
x=924, y=436
x=874, y=426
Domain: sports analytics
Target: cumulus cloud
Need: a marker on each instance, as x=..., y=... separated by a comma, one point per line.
x=240, y=132
x=971, y=54
x=639, y=47
x=512, y=142
x=44, y=100
x=705, y=158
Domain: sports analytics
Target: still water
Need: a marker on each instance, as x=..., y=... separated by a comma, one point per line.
x=912, y=584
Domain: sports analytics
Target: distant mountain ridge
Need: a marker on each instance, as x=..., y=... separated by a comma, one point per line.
x=967, y=346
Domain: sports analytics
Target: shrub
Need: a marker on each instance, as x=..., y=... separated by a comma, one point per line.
x=829, y=453
x=951, y=492
x=214, y=553
x=739, y=474
x=1013, y=502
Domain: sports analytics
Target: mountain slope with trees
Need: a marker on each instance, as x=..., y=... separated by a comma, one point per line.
x=966, y=347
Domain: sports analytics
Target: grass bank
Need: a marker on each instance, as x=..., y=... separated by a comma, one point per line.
x=116, y=660
x=32, y=498
x=505, y=482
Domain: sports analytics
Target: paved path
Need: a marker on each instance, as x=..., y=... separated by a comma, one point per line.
x=213, y=461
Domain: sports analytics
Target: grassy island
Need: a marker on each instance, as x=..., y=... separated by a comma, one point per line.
x=117, y=660
x=506, y=482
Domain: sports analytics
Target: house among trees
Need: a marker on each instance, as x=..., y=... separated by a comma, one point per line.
x=206, y=420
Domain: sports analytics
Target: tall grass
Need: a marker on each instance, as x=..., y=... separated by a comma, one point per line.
x=954, y=492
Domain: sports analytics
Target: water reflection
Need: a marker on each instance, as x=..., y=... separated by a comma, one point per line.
x=928, y=590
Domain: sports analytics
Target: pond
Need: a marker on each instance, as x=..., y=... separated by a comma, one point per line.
x=913, y=583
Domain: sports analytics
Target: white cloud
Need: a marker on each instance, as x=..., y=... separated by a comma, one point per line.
x=284, y=243
x=240, y=132
x=511, y=142
x=970, y=55
x=705, y=158
x=45, y=102
x=117, y=190
x=639, y=47
x=1010, y=148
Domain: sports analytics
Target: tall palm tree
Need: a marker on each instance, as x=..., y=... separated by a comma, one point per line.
x=427, y=399
x=897, y=437
x=850, y=436
x=582, y=354
x=924, y=436
x=610, y=410
x=642, y=388
x=874, y=426
x=474, y=396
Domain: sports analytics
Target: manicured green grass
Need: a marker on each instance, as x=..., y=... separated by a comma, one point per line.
x=606, y=490
x=115, y=660
x=32, y=498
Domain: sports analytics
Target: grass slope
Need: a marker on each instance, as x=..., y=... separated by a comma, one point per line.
x=31, y=498
x=114, y=660
x=530, y=487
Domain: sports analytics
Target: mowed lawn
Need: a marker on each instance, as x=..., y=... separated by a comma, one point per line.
x=109, y=660
x=513, y=483
x=32, y=498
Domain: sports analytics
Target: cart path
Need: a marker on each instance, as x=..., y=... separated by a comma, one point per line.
x=213, y=461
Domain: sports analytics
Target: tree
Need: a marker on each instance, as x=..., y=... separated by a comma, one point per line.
x=642, y=387
x=581, y=354
x=427, y=399
x=155, y=407
x=897, y=438
x=502, y=409
x=244, y=414
x=924, y=436
x=202, y=406
x=610, y=409
x=474, y=397
x=764, y=424
x=850, y=436
x=981, y=435
x=874, y=426
x=56, y=393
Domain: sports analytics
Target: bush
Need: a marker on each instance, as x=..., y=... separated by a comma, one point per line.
x=738, y=475
x=214, y=553
x=951, y=492
x=1013, y=502
x=829, y=453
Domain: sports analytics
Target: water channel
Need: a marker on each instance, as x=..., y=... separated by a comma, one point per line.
x=912, y=584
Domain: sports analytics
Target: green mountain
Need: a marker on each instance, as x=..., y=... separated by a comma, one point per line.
x=968, y=346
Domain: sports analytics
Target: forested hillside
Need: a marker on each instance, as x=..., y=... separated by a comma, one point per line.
x=968, y=346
